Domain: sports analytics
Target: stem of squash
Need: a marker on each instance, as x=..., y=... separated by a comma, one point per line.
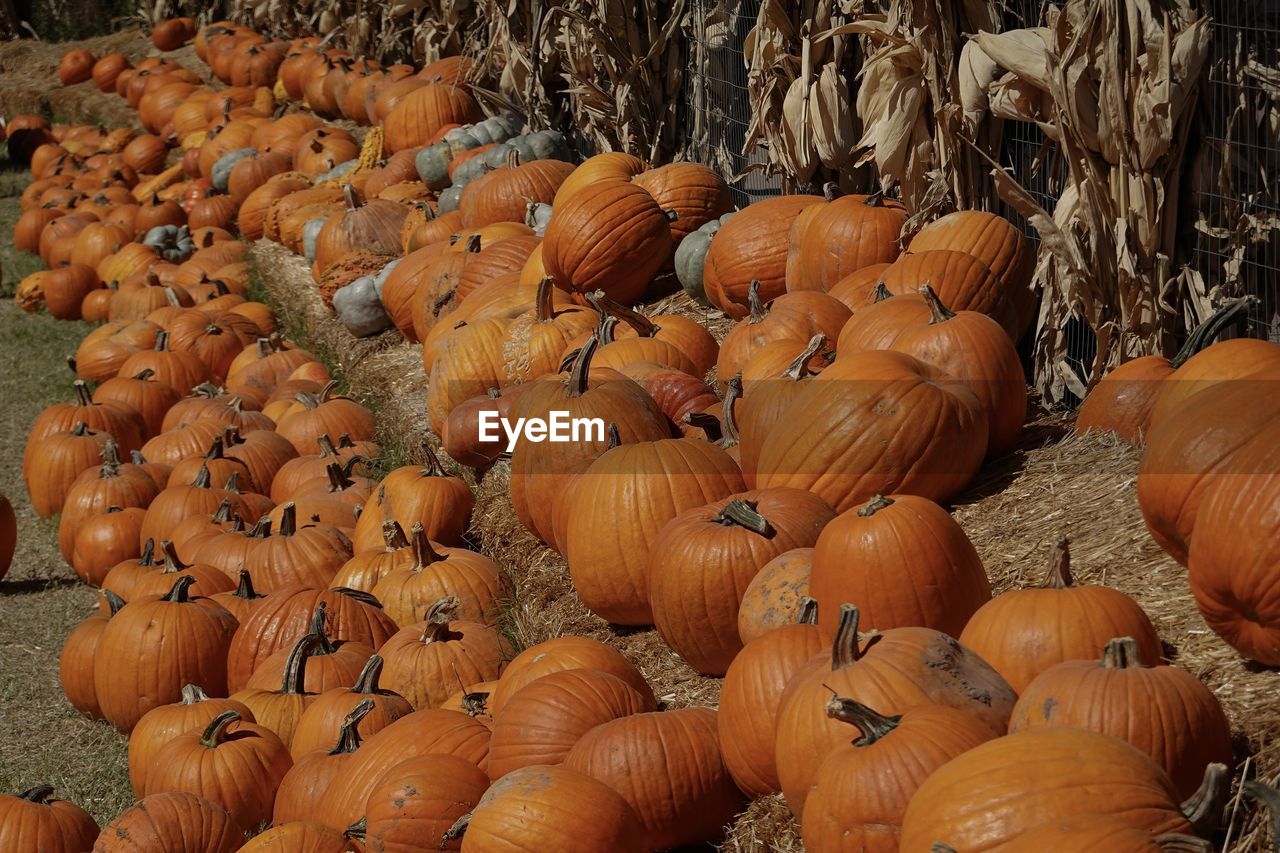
x=708, y=423
x=110, y=460
x=181, y=591
x=114, y=602
x=288, y=519
x=1213, y=325
x=172, y=563
x=432, y=466
x=295, y=666
x=580, y=374
x=1177, y=842
x=938, y=313
x=202, y=478
x=1203, y=809
x=193, y=694
x=874, y=505
x=729, y=423
x=615, y=439
x=808, y=612
x=84, y=397
x=244, y=589
x=148, y=556
x=1059, y=574
x=81, y=429
x=643, y=326
x=367, y=680
x=214, y=732
x=1121, y=653
x=37, y=794
x=437, y=618
x=872, y=725
x=755, y=307
x=743, y=514
x=845, y=651
x=458, y=829
x=423, y=554
x=799, y=367
x=338, y=479
x=349, y=734
x=393, y=535
x=326, y=446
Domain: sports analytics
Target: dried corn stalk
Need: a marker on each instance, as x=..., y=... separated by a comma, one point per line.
x=1114, y=83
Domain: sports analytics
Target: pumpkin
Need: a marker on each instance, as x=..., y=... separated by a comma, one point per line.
x=1164, y=711
x=282, y=617
x=430, y=732
x=416, y=801
x=503, y=195
x=1123, y=400
x=420, y=113
x=899, y=669
x=306, y=555
x=75, y=663
x=314, y=772
x=122, y=485
x=1232, y=558
x=751, y=693
x=34, y=820
x=703, y=559
x=608, y=165
x=533, y=343
x=132, y=676
x=1102, y=832
x=179, y=502
x=235, y=764
x=161, y=724
x=962, y=282
x=695, y=192
x=832, y=438
x=120, y=420
x=752, y=245
x=149, y=398
x=791, y=316
x=106, y=70
x=322, y=718
x=172, y=820
x=76, y=67
x=560, y=654
x=905, y=561
x=303, y=836
x=681, y=796
x=1226, y=362
x=427, y=660
x=56, y=462
x=423, y=494
x=1022, y=633
x=66, y=287
x=325, y=414
x=829, y=241
x=776, y=595
x=104, y=540
x=366, y=225
x=995, y=792
x=618, y=507
x=610, y=236
x=472, y=580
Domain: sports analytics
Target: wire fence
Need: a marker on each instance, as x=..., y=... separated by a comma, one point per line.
x=1233, y=221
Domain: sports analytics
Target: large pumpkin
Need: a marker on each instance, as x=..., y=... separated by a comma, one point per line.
x=829, y=241
x=172, y=820
x=609, y=236
x=1024, y=632
x=876, y=423
x=417, y=117
x=752, y=246
x=962, y=282
x=416, y=801
x=34, y=820
x=695, y=192
x=1164, y=711
x=904, y=561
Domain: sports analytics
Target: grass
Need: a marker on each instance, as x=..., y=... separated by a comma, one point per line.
x=42, y=738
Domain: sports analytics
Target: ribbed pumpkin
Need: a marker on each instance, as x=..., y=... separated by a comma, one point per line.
x=418, y=115
x=1232, y=557
x=897, y=670
x=993, y=793
x=542, y=721
x=1022, y=633
x=905, y=562
x=132, y=676
x=559, y=654
x=472, y=579
x=617, y=509
x=752, y=246
x=319, y=725
x=791, y=316
x=667, y=766
x=886, y=758
x=703, y=559
x=325, y=413
x=426, y=661
x=102, y=541
x=504, y=195
x=76, y=67
x=416, y=801
x=371, y=225
x=75, y=663
x=962, y=282
x=172, y=820
x=161, y=724
x=298, y=554
x=695, y=192
x=66, y=287
x=829, y=241
x=107, y=69
x=315, y=772
x=1102, y=832
x=54, y=463
x=1162, y=710
x=833, y=437
x=776, y=596
x=1226, y=362
x=235, y=764
x=34, y=820
x=114, y=483
x=610, y=236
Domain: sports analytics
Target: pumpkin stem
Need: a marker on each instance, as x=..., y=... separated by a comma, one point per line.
x=367, y=680
x=162, y=341
x=1208, y=331
x=217, y=728
x=1059, y=574
x=872, y=725
x=172, y=563
x=874, y=505
x=643, y=326
x=1203, y=809
x=307, y=399
x=1121, y=653
x=544, y=300
x=458, y=829
x=708, y=423
x=876, y=199
x=615, y=439
x=327, y=392
x=202, y=478
x=349, y=735
x=244, y=589
x=939, y=847
x=808, y=611
x=1269, y=797
x=938, y=313
x=437, y=619
x=580, y=374
x=743, y=513
x=81, y=429
x=432, y=466
x=110, y=460
x=349, y=196
x=37, y=794
x=393, y=535
x=326, y=446
x=729, y=422
x=472, y=246
x=216, y=448
x=339, y=475
x=148, y=556
x=84, y=397
x=754, y=305
x=233, y=483
x=358, y=831
x=845, y=651
x=831, y=191
x=423, y=554
x=193, y=694
x=295, y=666
x=1176, y=842
x=799, y=367
x=180, y=593
x=288, y=520
x=881, y=293
x=222, y=514
x=114, y=602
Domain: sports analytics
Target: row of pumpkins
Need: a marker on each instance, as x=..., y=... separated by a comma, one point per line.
x=340, y=672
